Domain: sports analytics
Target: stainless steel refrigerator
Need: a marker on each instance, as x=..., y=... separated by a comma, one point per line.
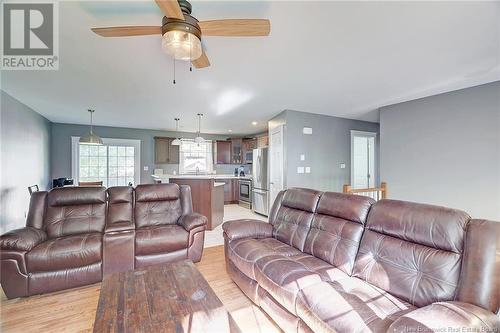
x=260, y=186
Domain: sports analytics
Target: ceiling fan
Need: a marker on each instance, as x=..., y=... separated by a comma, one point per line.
x=182, y=32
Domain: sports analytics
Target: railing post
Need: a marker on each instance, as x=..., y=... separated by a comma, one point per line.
x=347, y=188
x=383, y=186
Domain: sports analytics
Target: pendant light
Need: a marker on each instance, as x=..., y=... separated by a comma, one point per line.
x=177, y=141
x=198, y=138
x=91, y=138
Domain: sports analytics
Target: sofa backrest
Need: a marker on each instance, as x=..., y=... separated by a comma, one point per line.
x=413, y=251
x=157, y=204
x=292, y=221
x=120, y=204
x=75, y=210
x=36, y=212
x=337, y=228
x=480, y=276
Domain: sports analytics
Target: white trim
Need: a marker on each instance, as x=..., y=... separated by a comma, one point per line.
x=375, y=158
x=112, y=142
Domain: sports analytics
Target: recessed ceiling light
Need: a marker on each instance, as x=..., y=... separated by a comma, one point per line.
x=230, y=131
x=254, y=123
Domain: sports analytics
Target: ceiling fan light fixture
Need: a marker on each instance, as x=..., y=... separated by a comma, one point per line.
x=181, y=38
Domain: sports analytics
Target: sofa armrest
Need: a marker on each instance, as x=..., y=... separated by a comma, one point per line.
x=247, y=229
x=447, y=317
x=192, y=220
x=119, y=226
x=23, y=239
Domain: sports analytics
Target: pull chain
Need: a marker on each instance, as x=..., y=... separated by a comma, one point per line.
x=174, y=69
x=190, y=59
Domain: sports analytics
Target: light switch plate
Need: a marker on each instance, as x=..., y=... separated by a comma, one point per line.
x=307, y=130
x=302, y=157
x=308, y=169
x=342, y=165
x=300, y=169
x=146, y=168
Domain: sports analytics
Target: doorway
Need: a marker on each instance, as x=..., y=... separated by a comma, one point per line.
x=363, y=159
x=276, y=163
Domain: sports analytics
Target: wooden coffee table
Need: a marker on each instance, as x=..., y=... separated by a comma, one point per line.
x=164, y=298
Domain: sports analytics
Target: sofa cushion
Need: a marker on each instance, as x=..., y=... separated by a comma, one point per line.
x=337, y=227
x=244, y=252
x=65, y=252
x=294, y=217
x=160, y=239
x=157, y=204
x=349, y=305
x=412, y=251
x=75, y=210
x=283, y=277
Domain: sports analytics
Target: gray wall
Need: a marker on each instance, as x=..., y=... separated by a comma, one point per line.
x=445, y=150
x=61, y=147
x=324, y=150
x=25, y=159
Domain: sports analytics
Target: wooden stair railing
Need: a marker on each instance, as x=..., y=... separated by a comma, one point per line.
x=376, y=193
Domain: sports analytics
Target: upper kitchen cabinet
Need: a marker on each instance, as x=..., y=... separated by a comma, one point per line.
x=262, y=141
x=223, y=152
x=236, y=151
x=165, y=153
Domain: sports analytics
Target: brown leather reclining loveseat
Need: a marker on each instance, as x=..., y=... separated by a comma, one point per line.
x=332, y=262
x=74, y=235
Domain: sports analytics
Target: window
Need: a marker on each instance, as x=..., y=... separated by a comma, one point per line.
x=196, y=157
x=116, y=163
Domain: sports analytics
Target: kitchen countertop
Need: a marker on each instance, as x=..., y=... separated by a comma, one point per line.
x=166, y=177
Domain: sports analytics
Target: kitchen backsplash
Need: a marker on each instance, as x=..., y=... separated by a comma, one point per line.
x=222, y=169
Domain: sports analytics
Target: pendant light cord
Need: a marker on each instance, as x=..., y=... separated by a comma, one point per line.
x=174, y=69
x=91, y=123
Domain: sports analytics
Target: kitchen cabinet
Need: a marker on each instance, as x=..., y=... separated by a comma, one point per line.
x=165, y=153
x=231, y=191
x=236, y=151
x=262, y=141
x=223, y=152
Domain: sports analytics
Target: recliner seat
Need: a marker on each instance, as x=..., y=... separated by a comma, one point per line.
x=75, y=235
x=343, y=263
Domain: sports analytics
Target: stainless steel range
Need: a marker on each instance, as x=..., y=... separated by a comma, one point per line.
x=245, y=198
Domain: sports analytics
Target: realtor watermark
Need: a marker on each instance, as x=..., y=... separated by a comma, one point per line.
x=30, y=35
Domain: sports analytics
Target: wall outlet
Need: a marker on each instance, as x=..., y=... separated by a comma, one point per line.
x=307, y=130
x=146, y=168
x=308, y=169
x=342, y=165
x=300, y=169
x=302, y=157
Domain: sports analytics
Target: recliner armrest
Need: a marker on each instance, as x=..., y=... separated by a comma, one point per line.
x=119, y=226
x=23, y=239
x=192, y=220
x=447, y=317
x=247, y=229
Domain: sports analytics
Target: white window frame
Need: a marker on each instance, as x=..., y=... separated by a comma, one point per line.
x=210, y=156
x=75, y=153
x=355, y=133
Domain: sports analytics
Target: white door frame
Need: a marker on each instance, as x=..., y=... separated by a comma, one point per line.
x=355, y=133
x=75, y=152
x=281, y=130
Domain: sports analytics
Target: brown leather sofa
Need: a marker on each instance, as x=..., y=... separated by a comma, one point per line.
x=75, y=235
x=332, y=262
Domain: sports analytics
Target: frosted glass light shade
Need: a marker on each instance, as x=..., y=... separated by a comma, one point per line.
x=181, y=45
x=176, y=142
x=91, y=139
x=199, y=139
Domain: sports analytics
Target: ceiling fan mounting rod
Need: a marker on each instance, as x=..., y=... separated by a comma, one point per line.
x=186, y=7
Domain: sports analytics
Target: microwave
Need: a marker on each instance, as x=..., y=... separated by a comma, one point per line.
x=248, y=157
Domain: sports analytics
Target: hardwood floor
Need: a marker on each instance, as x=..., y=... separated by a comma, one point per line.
x=74, y=310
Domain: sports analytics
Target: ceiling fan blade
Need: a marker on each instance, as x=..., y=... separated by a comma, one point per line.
x=202, y=61
x=236, y=27
x=127, y=31
x=170, y=8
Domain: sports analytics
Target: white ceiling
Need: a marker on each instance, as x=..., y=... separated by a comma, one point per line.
x=338, y=58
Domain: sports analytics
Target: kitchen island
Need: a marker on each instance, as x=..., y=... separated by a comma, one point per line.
x=207, y=191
